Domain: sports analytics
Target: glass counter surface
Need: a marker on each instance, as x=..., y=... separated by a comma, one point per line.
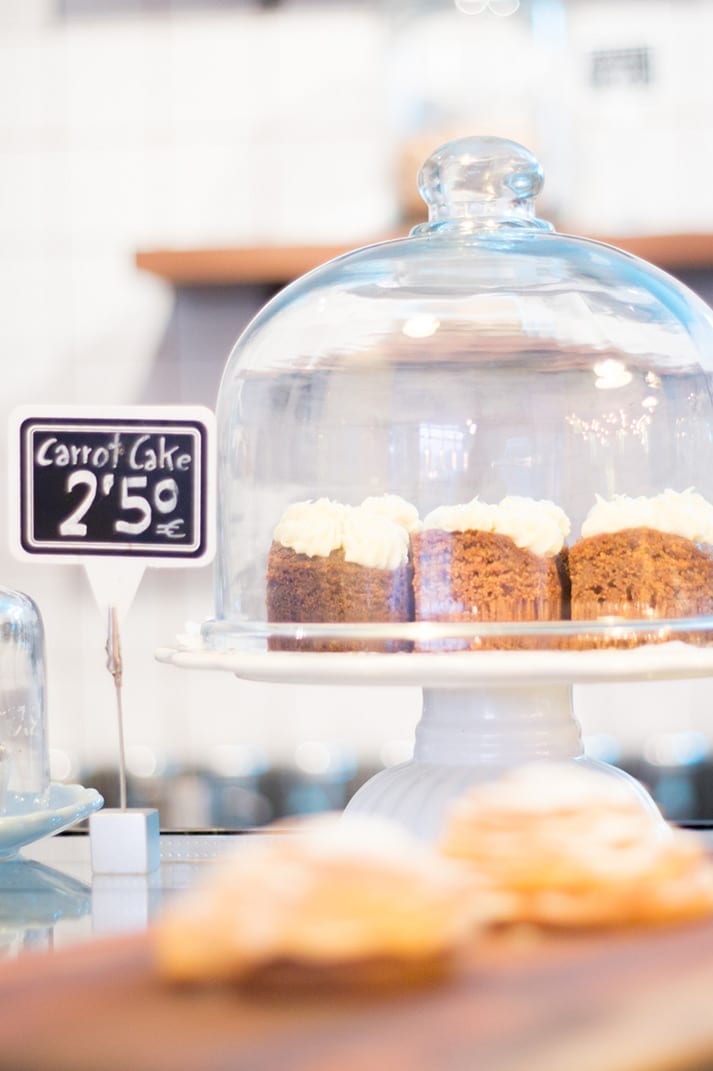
x=49, y=897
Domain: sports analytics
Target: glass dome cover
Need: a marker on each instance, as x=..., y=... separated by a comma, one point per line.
x=24, y=754
x=485, y=434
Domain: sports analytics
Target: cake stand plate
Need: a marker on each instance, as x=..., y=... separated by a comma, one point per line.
x=665, y=661
x=483, y=711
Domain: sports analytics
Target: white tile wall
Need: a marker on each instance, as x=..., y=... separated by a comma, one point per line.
x=634, y=150
x=117, y=134
x=246, y=127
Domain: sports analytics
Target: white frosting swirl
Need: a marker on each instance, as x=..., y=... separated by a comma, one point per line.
x=374, y=541
x=683, y=513
x=471, y=516
x=316, y=528
x=538, y=526
x=394, y=507
x=535, y=525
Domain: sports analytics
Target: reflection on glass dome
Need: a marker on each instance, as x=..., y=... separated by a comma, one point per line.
x=488, y=427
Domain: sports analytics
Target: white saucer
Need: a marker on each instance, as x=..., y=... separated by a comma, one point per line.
x=66, y=805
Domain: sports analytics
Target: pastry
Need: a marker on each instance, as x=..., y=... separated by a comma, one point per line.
x=353, y=900
x=572, y=846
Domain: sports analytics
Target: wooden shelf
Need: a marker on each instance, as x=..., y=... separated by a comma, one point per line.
x=276, y=265
x=672, y=252
x=246, y=265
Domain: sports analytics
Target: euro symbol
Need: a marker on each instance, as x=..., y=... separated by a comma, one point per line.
x=170, y=529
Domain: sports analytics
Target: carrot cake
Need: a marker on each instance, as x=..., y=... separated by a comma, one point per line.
x=644, y=558
x=332, y=563
x=490, y=563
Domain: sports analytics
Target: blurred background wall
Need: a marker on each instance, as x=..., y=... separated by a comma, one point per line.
x=129, y=125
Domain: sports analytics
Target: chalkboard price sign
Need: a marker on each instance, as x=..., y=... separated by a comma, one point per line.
x=134, y=487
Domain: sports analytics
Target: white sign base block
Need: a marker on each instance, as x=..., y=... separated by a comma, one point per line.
x=124, y=842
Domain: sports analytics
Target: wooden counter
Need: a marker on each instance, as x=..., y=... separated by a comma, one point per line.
x=277, y=265
x=630, y=1001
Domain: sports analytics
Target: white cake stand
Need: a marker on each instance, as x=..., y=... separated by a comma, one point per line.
x=483, y=711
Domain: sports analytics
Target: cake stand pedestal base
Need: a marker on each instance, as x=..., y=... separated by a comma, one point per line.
x=470, y=735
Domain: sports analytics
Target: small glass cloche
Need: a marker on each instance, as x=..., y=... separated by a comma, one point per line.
x=24, y=757
x=483, y=434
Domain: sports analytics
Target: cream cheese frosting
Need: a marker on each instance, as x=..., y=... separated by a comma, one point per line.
x=683, y=513
x=395, y=508
x=537, y=525
x=374, y=541
x=370, y=534
x=314, y=528
x=470, y=516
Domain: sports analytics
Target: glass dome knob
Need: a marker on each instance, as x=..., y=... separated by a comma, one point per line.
x=481, y=182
